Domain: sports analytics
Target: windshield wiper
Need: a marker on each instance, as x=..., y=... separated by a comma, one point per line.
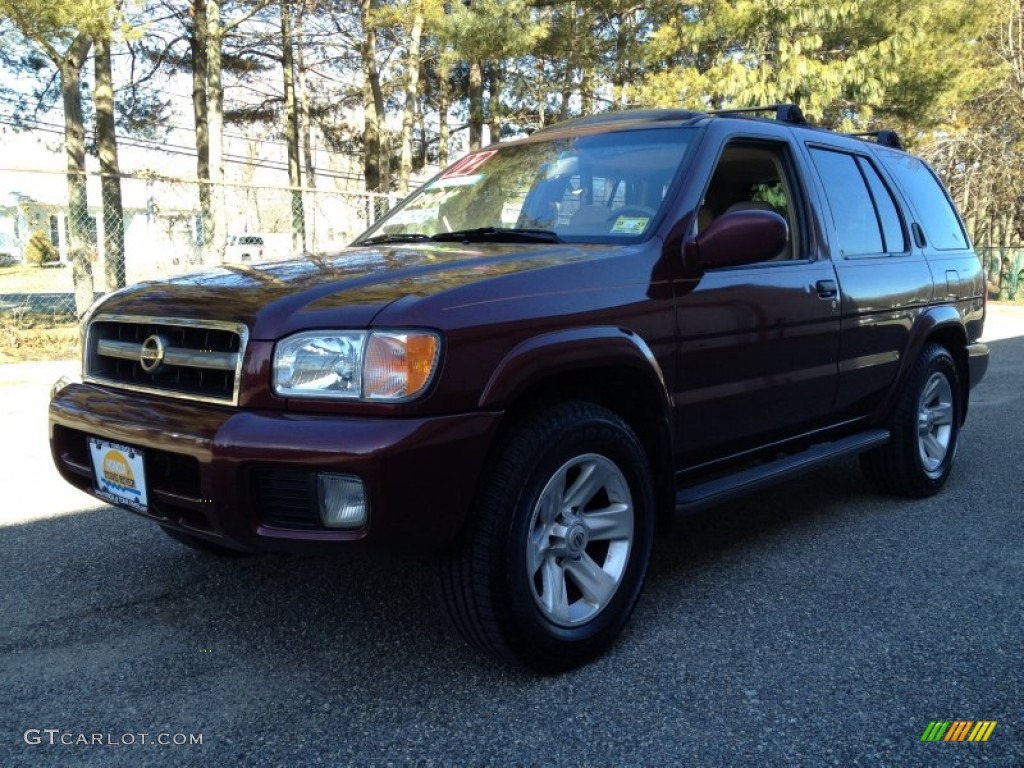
x=500, y=234
x=414, y=237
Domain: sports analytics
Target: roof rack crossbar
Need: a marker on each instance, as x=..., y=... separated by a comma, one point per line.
x=784, y=113
x=885, y=138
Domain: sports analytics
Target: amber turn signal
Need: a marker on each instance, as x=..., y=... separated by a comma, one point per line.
x=399, y=366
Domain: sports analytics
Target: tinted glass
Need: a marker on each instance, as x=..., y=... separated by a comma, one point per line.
x=599, y=187
x=934, y=211
x=888, y=215
x=852, y=209
x=754, y=176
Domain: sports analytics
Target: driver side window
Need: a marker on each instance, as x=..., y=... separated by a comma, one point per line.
x=753, y=176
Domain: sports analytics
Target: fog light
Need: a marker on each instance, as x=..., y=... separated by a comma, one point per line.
x=342, y=500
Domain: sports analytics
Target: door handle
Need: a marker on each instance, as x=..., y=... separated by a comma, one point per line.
x=827, y=289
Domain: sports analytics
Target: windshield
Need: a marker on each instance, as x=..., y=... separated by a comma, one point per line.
x=602, y=187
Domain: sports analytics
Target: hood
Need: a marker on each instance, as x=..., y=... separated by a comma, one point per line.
x=342, y=290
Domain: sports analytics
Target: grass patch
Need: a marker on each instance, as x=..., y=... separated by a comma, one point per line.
x=33, y=338
x=6, y=270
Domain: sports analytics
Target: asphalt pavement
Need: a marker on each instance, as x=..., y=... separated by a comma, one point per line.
x=816, y=624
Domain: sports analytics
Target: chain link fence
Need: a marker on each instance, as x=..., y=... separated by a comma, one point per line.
x=1004, y=272
x=53, y=262
x=56, y=256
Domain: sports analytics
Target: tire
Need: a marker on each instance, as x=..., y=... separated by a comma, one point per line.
x=552, y=565
x=925, y=430
x=202, y=545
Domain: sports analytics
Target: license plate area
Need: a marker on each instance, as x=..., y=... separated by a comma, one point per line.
x=120, y=473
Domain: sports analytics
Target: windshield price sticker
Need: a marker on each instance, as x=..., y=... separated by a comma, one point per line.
x=120, y=473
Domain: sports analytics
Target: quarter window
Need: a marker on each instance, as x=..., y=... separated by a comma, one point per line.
x=930, y=202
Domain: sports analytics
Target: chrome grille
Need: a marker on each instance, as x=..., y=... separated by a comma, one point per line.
x=192, y=359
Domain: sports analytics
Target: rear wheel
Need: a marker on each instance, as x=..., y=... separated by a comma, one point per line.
x=925, y=430
x=551, y=568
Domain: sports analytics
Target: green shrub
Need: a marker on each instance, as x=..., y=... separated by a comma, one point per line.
x=40, y=250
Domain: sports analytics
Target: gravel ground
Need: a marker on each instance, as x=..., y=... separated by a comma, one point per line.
x=818, y=624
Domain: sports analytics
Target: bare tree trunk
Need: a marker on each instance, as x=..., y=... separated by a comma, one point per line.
x=412, y=85
x=292, y=132
x=587, y=90
x=495, y=82
x=541, y=106
x=80, y=231
x=305, y=126
x=1012, y=44
x=372, y=172
x=302, y=90
x=199, y=111
x=622, y=64
x=569, y=66
x=376, y=165
x=217, y=238
x=443, y=103
x=110, y=172
x=382, y=132
x=587, y=58
x=563, y=110
x=419, y=160
x=476, y=104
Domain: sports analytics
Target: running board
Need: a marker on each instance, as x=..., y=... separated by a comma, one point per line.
x=698, y=497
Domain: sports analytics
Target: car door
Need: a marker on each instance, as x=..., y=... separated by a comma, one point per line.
x=885, y=282
x=759, y=344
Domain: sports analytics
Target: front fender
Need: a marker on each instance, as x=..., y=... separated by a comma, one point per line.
x=575, y=349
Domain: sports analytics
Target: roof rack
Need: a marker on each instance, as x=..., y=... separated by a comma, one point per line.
x=885, y=138
x=624, y=116
x=784, y=113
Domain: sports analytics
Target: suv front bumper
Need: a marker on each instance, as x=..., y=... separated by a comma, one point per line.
x=247, y=479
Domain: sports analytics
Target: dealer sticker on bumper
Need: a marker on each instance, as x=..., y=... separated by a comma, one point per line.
x=120, y=473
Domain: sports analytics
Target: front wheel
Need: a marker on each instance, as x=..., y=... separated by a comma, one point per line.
x=925, y=430
x=551, y=568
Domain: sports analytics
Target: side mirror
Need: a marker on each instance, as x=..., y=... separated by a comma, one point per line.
x=735, y=239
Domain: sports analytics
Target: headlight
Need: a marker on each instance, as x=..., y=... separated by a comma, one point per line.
x=389, y=366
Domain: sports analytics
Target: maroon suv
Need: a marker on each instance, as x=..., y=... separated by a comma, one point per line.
x=552, y=346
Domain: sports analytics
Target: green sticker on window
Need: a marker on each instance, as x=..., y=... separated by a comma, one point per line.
x=630, y=225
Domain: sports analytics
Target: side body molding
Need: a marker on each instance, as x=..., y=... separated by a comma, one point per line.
x=573, y=349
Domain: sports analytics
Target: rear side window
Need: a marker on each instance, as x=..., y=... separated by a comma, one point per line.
x=888, y=215
x=853, y=211
x=934, y=210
